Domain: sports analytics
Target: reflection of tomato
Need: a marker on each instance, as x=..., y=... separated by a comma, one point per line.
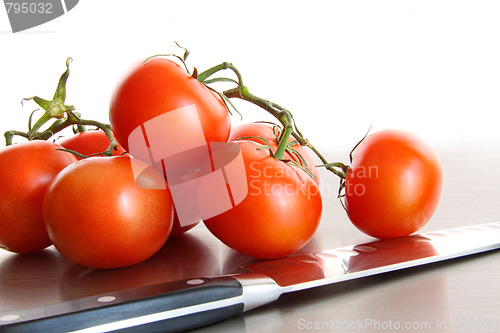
x=266, y=131
x=159, y=86
x=89, y=142
x=31, y=279
x=278, y=216
x=292, y=270
x=382, y=253
x=182, y=257
x=26, y=170
x=98, y=216
x=394, y=184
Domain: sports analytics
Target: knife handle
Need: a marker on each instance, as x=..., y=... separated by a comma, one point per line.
x=167, y=307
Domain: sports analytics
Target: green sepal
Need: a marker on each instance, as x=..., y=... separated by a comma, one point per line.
x=54, y=108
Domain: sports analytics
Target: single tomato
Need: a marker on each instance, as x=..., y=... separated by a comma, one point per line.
x=26, y=170
x=158, y=87
x=89, y=143
x=394, y=184
x=99, y=215
x=280, y=212
x=266, y=131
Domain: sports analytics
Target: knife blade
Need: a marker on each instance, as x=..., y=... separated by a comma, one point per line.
x=191, y=303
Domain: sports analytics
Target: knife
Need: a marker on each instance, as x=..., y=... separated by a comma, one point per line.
x=191, y=303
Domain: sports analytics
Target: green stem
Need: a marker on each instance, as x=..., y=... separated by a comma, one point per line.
x=342, y=173
x=10, y=134
x=284, y=116
x=203, y=76
x=60, y=93
x=73, y=119
x=70, y=120
x=39, y=123
x=64, y=115
x=283, y=141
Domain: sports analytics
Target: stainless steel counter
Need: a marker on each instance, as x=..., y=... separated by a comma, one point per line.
x=461, y=295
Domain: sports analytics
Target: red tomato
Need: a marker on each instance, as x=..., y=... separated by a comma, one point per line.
x=159, y=86
x=89, y=142
x=280, y=213
x=266, y=131
x=26, y=170
x=393, y=186
x=97, y=215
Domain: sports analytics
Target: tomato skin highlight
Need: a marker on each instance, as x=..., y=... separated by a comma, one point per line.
x=97, y=216
x=280, y=213
x=26, y=170
x=88, y=143
x=266, y=131
x=158, y=86
x=394, y=184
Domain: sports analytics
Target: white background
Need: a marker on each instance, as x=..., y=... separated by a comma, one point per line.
x=430, y=67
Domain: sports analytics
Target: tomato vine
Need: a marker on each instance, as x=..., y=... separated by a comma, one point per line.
x=63, y=115
x=284, y=141
x=283, y=115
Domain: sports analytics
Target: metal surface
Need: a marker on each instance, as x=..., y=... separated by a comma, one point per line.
x=455, y=296
x=160, y=304
x=332, y=266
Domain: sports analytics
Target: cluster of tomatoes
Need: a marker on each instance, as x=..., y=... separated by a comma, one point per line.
x=97, y=214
